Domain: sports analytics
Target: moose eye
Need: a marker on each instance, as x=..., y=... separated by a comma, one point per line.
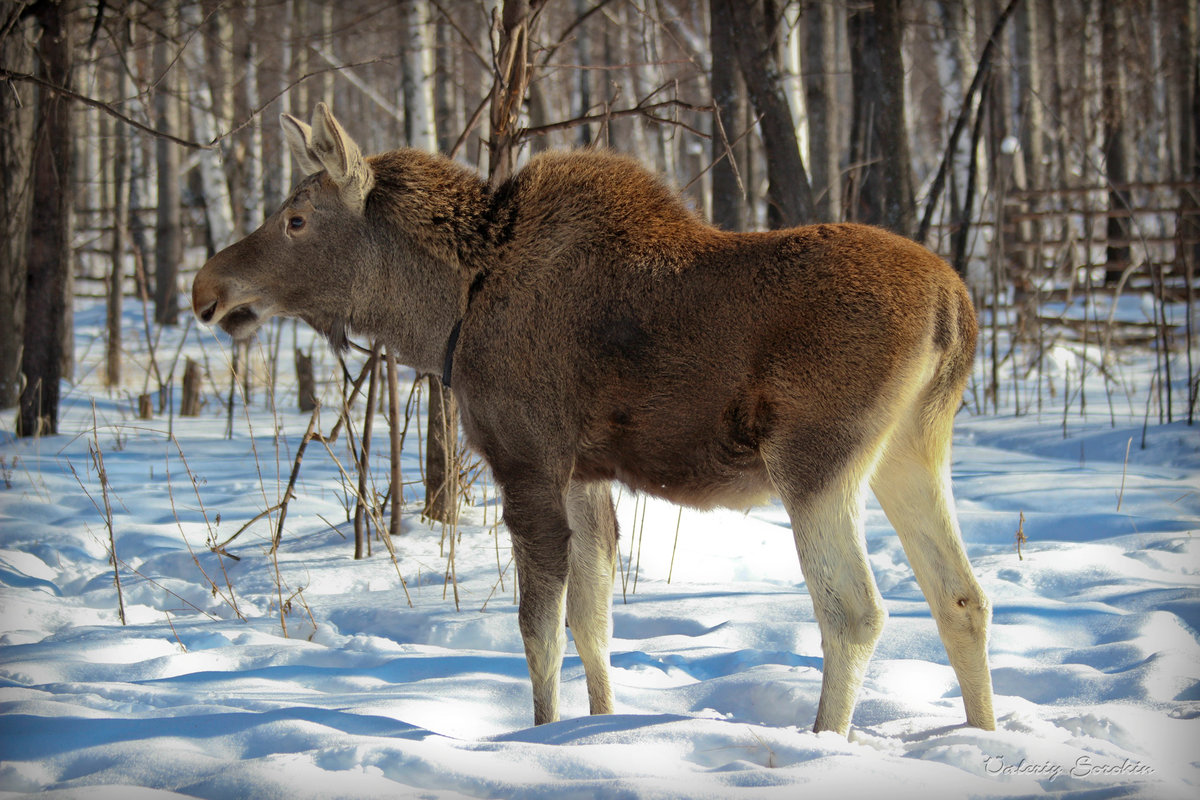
x=295, y=223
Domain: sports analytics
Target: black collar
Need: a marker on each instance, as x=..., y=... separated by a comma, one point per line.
x=448, y=364
x=452, y=342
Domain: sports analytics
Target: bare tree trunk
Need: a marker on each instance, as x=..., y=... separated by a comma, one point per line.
x=728, y=96
x=879, y=140
x=362, y=521
x=1185, y=55
x=441, y=478
x=820, y=69
x=49, y=253
x=514, y=71
x=1112, y=94
x=139, y=182
x=445, y=99
x=306, y=385
x=953, y=29
x=189, y=401
x=899, y=206
x=1188, y=89
x=1029, y=70
x=168, y=248
x=116, y=279
x=16, y=153
x=789, y=196
x=396, y=434
x=298, y=17
x=441, y=471
x=583, y=53
x=324, y=85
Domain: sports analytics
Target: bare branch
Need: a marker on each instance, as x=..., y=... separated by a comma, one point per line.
x=11, y=75
x=727, y=154
x=483, y=62
x=471, y=123
x=564, y=37
x=363, y=86
x=981, y=72
x=257, y=111
x=638, y=110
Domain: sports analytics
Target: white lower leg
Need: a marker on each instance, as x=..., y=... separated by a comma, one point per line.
x=849, y=609
x=591, y=555
x=540, y=617
x=919, y=503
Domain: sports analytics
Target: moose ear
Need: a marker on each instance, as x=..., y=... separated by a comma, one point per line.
x=299, y=139
x=341, y=158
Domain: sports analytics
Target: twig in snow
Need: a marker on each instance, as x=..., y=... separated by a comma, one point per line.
x=102, y=475
x=231, y=600
x=1124, y=468
x=1021, y=538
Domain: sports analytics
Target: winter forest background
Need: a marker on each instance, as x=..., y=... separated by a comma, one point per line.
x=239, y=571
x=1047, y=147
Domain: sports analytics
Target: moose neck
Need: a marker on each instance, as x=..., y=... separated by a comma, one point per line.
x=428, y=218
x=408, y=300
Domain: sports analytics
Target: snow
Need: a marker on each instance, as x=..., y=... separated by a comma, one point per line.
x=716, y=655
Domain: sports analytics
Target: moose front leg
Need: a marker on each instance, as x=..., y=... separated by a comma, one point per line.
x=543, y=584
x=537, y=521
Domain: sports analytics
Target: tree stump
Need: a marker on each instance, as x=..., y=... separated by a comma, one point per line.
x=189, y=404
x=306, y=386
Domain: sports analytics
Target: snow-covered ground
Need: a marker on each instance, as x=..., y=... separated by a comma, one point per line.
x=716, y=654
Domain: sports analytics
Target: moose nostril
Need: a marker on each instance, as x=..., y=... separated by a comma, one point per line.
x=207, y=314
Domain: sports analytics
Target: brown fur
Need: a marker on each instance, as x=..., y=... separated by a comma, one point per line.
x=607, y=333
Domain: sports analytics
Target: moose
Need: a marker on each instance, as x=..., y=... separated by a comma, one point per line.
x=595, y=329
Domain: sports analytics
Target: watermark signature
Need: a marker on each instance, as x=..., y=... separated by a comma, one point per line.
x=1083, y=767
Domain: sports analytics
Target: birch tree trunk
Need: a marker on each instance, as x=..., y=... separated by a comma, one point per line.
x=277, y=179
x=447, y=121
x=252, y=198
x=205, y=104
x=417, y=77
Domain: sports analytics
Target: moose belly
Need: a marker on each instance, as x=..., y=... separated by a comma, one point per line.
x=695, y=459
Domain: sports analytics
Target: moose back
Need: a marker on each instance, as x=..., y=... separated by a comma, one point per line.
x=594, y=329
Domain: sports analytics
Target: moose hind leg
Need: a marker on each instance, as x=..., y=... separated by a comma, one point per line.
x=591, y=557
x=912, y=485
x=828, y=528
